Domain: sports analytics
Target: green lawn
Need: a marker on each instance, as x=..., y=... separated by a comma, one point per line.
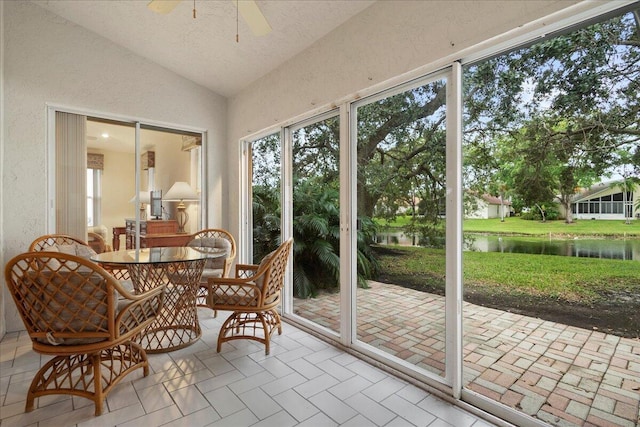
x=516, y=225
x=589, y=293
x=583, y=292
x=570, y=279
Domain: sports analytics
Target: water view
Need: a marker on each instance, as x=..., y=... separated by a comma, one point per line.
x=623, y=249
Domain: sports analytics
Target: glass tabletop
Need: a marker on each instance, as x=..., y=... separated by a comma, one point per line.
x=158, y=255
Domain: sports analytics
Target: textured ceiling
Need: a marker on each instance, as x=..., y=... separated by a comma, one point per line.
x=204, y=49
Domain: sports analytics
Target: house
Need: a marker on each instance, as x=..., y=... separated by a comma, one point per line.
x=604, y=201
x=114, y=61
x=488, y=206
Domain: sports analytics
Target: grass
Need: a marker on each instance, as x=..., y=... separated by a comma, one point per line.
x=570, y=279
x=574, y=280
x=519, y=226
x=589, y=293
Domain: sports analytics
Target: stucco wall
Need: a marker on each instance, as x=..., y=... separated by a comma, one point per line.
x=391, y=40
x=49, y=60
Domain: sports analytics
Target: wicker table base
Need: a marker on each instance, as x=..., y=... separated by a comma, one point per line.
x=177, y=324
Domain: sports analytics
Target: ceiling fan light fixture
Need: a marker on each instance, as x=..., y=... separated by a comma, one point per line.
x=249, y=10
x=253, y=17
x=162, y=6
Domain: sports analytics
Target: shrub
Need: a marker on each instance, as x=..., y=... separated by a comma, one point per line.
x=316, y=233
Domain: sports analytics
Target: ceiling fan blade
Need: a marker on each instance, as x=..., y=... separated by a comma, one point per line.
x=253, y=17
x=163, y=6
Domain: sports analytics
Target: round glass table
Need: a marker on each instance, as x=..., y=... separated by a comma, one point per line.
x=177, y=268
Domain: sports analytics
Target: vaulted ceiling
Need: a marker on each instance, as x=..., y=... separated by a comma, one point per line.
x=204, y=49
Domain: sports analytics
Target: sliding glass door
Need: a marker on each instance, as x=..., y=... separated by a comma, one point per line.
x=402, y=212
x=364, y=192
x=550, y=140
x=104, y=183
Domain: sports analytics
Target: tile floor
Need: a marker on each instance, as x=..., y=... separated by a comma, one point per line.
x=304, y=381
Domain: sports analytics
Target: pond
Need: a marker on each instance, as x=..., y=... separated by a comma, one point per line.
x=623, y=249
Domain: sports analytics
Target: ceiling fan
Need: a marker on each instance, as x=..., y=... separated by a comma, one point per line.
x=248, y=9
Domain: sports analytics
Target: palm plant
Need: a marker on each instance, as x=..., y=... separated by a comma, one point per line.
x=266, y=220
x=316, y=232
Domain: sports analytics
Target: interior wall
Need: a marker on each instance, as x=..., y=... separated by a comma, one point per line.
x=387, y=41
x=50, y=61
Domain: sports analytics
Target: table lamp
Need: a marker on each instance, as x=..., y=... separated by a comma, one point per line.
x=181, y=192
x=143, y=197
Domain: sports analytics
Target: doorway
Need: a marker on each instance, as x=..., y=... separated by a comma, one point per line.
x=116, y=164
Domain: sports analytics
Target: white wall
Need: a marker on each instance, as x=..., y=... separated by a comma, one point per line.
x=118, y=186
x=385, y=41
x=49, y=60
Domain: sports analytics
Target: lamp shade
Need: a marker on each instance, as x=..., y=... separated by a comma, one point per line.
x=144, y=197
x=181, y=191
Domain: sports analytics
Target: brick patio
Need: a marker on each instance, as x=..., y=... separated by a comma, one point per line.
x=563, y=375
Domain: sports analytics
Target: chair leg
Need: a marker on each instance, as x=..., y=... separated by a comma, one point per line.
x=253, y=326
x=98, y=396
x=83, y=375
x=267, y=333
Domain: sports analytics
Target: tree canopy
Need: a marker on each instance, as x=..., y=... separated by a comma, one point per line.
x=557, y=115
x=540, y=122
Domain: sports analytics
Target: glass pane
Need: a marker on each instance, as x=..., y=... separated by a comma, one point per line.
x=551, y=313
x=90, y=197
x=166, y=158
x=316, y=222
x=401, y=164
x=265, y=190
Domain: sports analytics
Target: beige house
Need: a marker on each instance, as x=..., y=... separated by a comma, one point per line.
x=604, y=201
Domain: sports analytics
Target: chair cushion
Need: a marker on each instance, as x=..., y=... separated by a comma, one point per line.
x=85, y=252
x=263, y=262
x=210, y=272
x=76, y=249
x=65, y=249
x=213, y=242
x=128, y=286
x=68, y=303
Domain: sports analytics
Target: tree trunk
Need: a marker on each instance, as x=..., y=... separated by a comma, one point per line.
x=566, y=203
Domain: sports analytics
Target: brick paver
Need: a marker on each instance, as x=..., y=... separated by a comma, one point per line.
x=561, y=374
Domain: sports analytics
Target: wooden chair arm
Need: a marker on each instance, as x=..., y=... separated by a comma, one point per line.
x=229, y=292
x=246, y=270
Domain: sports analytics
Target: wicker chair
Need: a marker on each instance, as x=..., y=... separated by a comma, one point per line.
x=98, y=243
x=214, y=267
x=77, y=312
x=253, y=296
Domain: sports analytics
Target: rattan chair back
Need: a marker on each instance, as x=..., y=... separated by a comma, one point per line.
x=49, y=240
x=217, y=237
x=53, y=241
x=215, y=267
